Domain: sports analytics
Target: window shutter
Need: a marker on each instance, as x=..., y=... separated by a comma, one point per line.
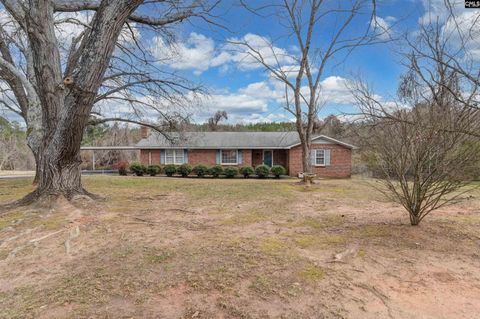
x=185, y=156
x=217, y=157
x=327, y=157
x=240, y=156
x=162, y=156
x=313, y=155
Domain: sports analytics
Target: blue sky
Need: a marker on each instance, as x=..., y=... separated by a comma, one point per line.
x=229, y=83
x=203, y=53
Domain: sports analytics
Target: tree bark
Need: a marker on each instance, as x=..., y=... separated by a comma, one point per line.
x=58, y=117
x=414, y=219
x=306, y=159
x=59, y=175
x=55, y=93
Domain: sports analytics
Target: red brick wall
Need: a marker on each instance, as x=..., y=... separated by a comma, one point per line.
x=195, y=157
x=257, y=157
x=144, y=157
x=280, y=157
x=340, y=161
x=247, y=158
x=205, y=157
x=155, y=155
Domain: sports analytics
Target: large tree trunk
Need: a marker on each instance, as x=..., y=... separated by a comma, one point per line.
x=64, y=106
x=59, y=176
x=57, y=166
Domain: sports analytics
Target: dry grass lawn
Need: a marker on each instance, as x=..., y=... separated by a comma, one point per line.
x=204, y=248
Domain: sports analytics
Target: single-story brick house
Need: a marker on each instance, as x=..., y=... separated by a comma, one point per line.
x=330, y=157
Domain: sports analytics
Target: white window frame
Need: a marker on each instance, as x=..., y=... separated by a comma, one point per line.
x=236, y=157
x=176, y=157
x=316, y=157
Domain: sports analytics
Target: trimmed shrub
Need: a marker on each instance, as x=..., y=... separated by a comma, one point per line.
x=278, y=170
x=262, y=171
x=154, y=170
x=216, y=170
x=184, y=170
x=138, y=168
x=246, y=171
x=170, y=170
x=231, y=172
x=200, y=170
x=122, y=167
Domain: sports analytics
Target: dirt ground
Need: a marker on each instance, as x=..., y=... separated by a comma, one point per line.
x=205, y=248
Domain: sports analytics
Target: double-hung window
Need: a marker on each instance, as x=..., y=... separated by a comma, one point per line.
x=229, y=157
x=174, y=156
x=320, y=157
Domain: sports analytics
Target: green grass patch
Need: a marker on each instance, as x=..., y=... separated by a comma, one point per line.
x=9, y=219
x=361, y=253
x=273, y=246
x=13, y=189
x=50, y=222
x=311, y=273
x=371, y=231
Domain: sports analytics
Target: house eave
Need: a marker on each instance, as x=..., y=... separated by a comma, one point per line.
x=330, y=139
x=108, y=148
x=214, y=147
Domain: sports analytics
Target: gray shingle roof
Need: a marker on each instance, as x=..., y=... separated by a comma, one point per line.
x=218, y=140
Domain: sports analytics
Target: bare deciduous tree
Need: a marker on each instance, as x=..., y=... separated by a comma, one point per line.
x=423, y=163
x=8, y=149
x=301, y=73
x=14, y=152
x=451, y=43
x=57, y=87
x=216, y=118
x=425, y=142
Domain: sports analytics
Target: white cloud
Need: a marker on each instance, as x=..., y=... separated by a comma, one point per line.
x=334, y=90
x=238, y=103
x=261, y=118
x=460, y=26
x=199, y=53
x=383, y=27
x=245, y=52
x=263, y=90
x=436, y=10
x=70, y=25
x=262, y=101
x=250, y=104
x=464, y=29
x=256, y=102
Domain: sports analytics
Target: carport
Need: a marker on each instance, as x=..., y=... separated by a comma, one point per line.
x=107, y=148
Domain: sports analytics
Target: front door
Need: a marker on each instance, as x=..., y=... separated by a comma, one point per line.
x=268, y=158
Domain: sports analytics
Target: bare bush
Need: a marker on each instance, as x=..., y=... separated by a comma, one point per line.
x=424, y=143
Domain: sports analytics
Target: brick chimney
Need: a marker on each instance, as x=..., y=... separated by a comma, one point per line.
x=144, y=131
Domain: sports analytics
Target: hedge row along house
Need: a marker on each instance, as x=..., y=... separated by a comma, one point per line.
x=330, y=157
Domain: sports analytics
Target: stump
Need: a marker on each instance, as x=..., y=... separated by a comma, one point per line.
x=308, y=179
